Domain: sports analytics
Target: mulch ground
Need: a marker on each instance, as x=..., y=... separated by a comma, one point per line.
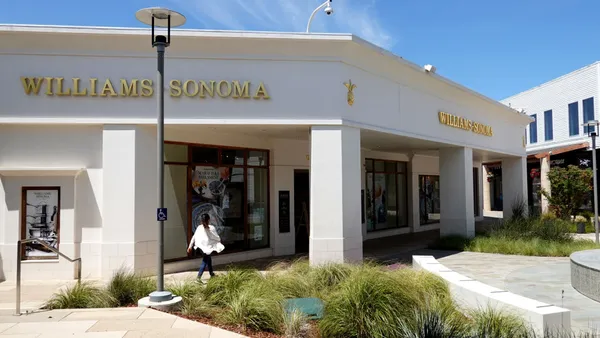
x=314, y=333
x=232, y=328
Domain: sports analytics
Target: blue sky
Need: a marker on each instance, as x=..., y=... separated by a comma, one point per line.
x=498, y=48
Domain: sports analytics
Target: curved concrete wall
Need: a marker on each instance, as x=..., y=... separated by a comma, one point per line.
x=585, y=272
x=476, y=295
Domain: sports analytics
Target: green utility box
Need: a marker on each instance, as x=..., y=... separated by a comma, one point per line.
x=311, y=307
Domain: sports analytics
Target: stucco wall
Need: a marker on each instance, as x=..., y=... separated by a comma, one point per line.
x=305, y=90
x=81, y=196
x=556, y=95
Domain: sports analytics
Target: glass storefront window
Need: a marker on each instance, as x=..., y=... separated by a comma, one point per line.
x=402, y=200
x=258, y=235
x=176, y=153
x=219, y=192
x=386, y=198
x=205, y=155
x=429, y=199
x=369, y=203
x=232, y=156
x=257, y=158
x=176, y=202
x=231, y=185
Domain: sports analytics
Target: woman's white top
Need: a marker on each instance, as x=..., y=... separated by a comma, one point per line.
x=207, y=240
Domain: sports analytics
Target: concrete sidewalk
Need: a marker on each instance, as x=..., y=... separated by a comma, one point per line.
x=105, y=323
x=546, y=279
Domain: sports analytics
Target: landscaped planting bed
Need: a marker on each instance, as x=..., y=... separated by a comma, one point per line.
x=366, y=300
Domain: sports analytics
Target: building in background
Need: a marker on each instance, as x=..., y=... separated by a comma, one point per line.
x=556, y=136
x=292, y=142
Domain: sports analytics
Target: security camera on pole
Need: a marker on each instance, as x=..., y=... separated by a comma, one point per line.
x=591, y=130
x=328, y=11
x=160, y=17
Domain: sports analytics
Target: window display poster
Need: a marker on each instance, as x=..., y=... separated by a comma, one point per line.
x=369, y=202
x=284, y=211
x=380, y=199
x=210, y=196
x=362, y=206
x=40, y=219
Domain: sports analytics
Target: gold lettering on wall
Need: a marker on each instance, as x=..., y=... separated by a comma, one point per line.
x=147, y=89
x=76, y=90
x=459, y=122
x=129, y=89
x=60, y=86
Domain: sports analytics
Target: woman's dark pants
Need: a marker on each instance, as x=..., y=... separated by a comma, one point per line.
x=206, y=263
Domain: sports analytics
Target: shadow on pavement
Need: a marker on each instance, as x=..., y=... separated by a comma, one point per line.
x=395, y=250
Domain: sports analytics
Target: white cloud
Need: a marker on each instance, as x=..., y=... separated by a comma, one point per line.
x=350, y=16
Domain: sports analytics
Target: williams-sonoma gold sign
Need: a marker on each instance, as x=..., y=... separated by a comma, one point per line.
x=59, y=86
x=466, y=124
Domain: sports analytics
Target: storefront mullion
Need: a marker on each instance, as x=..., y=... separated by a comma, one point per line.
x=246, y=240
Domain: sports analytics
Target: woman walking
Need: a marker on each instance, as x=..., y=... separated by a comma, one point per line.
x=208, y=241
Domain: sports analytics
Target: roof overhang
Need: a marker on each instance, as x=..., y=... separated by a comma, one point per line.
x=559, y=150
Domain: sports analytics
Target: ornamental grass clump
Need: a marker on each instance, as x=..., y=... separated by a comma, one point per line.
x=493, y=323
x=376, y=303
x=128, y=287
x=83, y=295
x=435, y=318
x=256, y=307
x=244, y=297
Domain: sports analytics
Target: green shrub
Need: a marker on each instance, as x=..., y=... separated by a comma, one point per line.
x=295, y=324
x=528, y=247
x=488, y=323
x=518, y=208
x=196, y=306
x=546, y=228
x=569, y=189
x=418, y=286
x=435, y=318
x=372, y=302
x=289, y=285
x=222, y=290
x=127, y=287
x=324, y=278
x=186, y=289
x=589, y=228
x=365, y=305
x=80, y=296
x=254, y=306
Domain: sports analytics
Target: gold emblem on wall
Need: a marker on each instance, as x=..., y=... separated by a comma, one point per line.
x=350, y=96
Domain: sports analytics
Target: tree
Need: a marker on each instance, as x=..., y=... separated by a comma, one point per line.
x=569, y=189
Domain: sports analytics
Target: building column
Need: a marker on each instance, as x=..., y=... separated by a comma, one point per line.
x=335, y=181
x=545, y=182
x=456, y=192
x=514, y=184
x=129, y=199
x=487, y=204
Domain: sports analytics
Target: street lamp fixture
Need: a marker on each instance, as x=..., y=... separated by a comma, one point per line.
x=591, y=131
x=328, y=11
x=166, y=18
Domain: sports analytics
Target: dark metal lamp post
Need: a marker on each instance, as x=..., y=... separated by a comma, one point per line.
x=160, y=17
x=591, y=131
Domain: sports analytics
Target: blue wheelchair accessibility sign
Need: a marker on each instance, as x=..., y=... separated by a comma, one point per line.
x=161, y=214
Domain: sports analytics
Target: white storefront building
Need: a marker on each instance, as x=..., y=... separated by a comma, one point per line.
x=277, y=136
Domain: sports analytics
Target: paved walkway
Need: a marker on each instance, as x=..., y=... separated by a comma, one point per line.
x=105, y=323
x=547, y=279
